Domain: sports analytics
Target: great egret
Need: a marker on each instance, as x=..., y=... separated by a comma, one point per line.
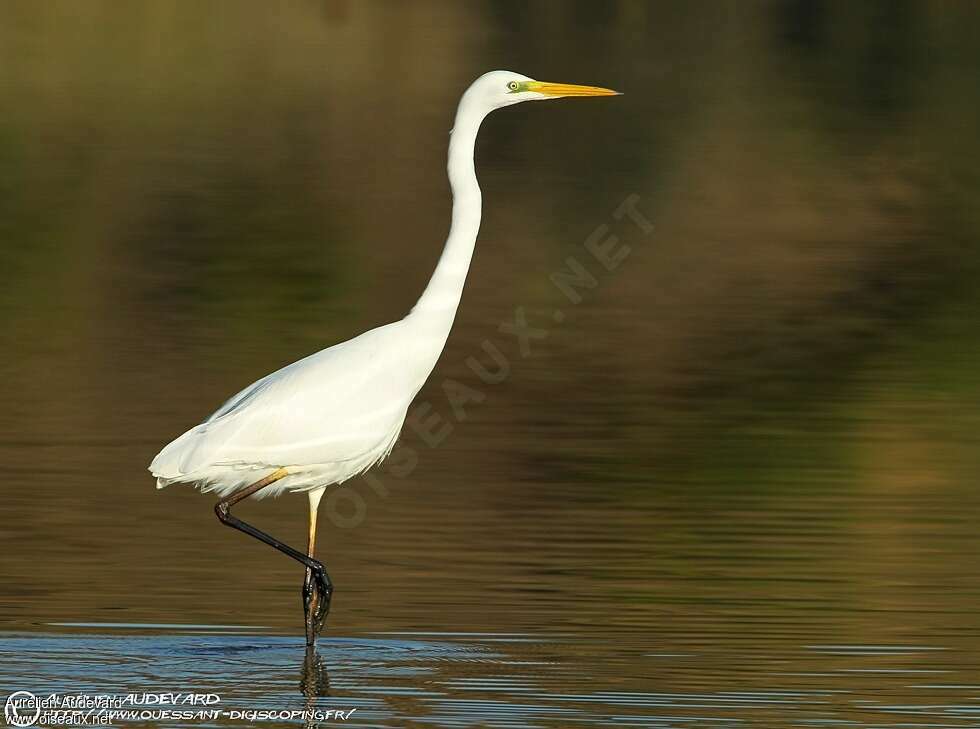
x=336, y=413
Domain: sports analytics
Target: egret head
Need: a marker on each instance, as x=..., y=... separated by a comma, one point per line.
x=497, y=89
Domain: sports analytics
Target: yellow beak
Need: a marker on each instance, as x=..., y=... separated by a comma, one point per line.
x=550, y=89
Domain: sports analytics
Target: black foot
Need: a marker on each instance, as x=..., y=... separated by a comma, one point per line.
x=317, y=591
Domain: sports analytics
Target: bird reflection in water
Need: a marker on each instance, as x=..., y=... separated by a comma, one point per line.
x=314, y=679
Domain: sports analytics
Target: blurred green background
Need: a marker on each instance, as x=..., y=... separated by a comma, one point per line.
x=768, y=414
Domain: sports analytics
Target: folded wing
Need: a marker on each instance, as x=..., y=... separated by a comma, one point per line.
x=331, y=407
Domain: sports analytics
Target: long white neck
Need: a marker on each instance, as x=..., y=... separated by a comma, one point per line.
x=438, y=303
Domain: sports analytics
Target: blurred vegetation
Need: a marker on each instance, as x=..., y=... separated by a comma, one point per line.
x=193, y=194
x=219, y=170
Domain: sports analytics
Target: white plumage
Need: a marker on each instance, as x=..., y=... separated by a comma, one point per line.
x=324, y=418
x=336, y=413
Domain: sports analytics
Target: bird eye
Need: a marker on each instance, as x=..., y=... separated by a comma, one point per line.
x=513, y=86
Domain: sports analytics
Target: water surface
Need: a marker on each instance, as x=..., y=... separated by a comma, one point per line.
x=498, y=680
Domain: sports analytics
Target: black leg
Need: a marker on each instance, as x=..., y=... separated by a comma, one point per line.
x=318, y=589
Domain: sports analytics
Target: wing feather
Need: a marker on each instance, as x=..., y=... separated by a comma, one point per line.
x=331, y=407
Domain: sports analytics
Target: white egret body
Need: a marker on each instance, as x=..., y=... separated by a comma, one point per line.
x=336, y=413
